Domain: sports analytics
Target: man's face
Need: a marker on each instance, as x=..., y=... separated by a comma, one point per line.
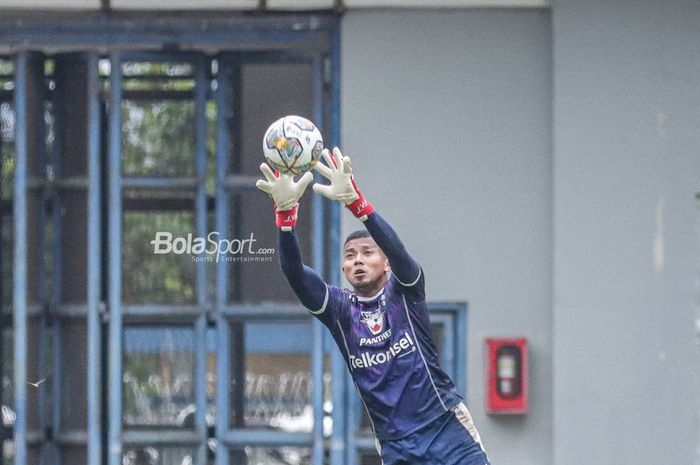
x=364, y=264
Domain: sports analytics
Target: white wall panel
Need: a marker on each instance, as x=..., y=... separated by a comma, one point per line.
x=626, y=173
x=446, y=115
x=300, y=4
x=446, y=3
x=50, y=4
x=185, y=5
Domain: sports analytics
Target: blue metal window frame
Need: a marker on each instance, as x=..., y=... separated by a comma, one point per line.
x=237, y=437
x=195, y=315
x=24, y=312
x=28, y=183
x=20, y=258
x=278, y=33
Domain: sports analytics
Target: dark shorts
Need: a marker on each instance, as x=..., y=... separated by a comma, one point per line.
x=452, y=439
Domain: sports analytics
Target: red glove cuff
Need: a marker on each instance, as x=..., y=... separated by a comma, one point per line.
x=287, y=219
x=361, y=208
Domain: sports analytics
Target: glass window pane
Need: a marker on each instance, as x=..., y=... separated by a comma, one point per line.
x=73, y=248
x=33, y=454
x=365, y=423
x=74, y=454
x=166, y=278
x=34, y=238
x=271, y=456
x=158, y=119
x=7, y=345
x=7, y=150
x=252, y=219
x=50, y=134
x=157, y=76
x=158, y=455
x=6, y=261
x=158, y=138
x=7, y=397
x=271, y=378
x=210, y=114
x=8, y=451
x=438, y=330
x=7, y=172
x=370, y=459
x=73, y=341
x=40, y=346
x=210, y=376
x=289, y=86
x=158, y=373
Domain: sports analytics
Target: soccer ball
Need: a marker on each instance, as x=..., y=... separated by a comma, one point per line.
x=292, y=145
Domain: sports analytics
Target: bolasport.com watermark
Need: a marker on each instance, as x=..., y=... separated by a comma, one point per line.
x=212, y=248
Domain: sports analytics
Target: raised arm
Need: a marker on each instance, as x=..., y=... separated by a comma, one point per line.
x=285, y=194
x=343, y=189
x=306, y=284
x=403, y=266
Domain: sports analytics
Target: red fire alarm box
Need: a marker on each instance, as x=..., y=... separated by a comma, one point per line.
x=506, y=375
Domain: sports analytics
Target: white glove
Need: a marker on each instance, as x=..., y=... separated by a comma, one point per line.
x=285, y=192
x=342, y=187
x=339, y=173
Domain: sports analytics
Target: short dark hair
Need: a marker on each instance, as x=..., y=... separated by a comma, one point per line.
x=360, y=233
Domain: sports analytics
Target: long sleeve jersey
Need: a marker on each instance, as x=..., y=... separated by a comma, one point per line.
x=385, y=339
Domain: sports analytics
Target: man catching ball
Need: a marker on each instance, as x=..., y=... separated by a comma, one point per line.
x=382, y=326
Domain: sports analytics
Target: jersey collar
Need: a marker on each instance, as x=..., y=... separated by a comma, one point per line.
x=371, y=298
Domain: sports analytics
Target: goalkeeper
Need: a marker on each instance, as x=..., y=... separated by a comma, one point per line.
x=381, y=327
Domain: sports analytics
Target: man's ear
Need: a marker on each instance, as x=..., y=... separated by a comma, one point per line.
x=387, y=267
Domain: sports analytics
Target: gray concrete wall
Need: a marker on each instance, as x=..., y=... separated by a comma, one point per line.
x=626, y=172
x=588, y=247
x=447, y=116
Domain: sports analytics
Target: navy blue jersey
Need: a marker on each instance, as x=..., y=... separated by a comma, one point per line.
x=387, y=345
x=385, y=339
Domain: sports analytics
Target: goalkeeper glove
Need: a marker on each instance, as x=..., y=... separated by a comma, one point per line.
x=342, y=187
x=285, y=194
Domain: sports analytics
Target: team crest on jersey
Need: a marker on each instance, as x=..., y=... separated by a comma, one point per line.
x=374, y=320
